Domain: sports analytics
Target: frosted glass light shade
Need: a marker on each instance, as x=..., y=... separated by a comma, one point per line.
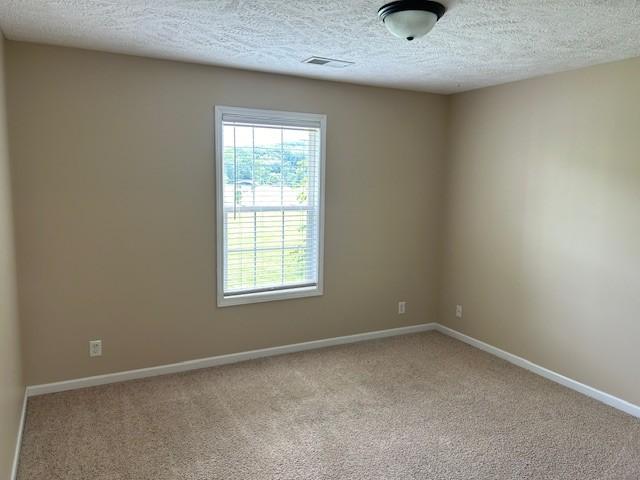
x=411, y=19
x=410, y=24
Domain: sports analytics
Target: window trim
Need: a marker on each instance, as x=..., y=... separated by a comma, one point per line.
x=285, y=294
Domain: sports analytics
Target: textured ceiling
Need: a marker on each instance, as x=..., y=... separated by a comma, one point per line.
x=477, y=43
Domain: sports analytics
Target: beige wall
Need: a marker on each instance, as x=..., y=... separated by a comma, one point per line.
x=543, y=222
x=11, y=384
x=114, y=199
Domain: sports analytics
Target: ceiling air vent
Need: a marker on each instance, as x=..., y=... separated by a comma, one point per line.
x=327, y=62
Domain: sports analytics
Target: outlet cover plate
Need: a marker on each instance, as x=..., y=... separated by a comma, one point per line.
x=95, y=348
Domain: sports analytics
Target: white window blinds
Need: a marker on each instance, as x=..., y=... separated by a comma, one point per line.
x=270, y=192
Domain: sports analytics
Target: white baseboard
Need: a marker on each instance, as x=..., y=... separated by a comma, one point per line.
x=599, y=395
x=16, y=455
x=594, y=393
x=34, y=390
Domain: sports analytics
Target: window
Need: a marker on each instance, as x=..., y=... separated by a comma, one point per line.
x=270, y=196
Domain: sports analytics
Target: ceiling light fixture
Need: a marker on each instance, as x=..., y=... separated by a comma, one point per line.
x=411, y=19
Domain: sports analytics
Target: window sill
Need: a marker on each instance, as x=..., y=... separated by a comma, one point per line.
x=269, y=296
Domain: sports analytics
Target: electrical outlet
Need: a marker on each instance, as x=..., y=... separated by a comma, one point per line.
x=402, y=308
x=95, y=348
x=458, y=311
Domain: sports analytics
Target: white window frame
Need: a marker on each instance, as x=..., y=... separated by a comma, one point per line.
x=268, y=296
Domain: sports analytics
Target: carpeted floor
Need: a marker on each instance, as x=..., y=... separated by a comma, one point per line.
x=419, y=406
